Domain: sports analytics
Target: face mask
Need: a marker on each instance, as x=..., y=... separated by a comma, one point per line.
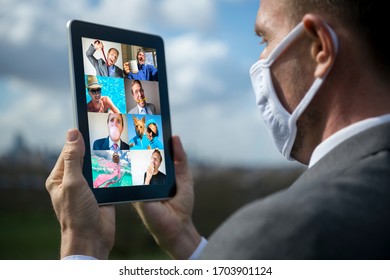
x=281, y=124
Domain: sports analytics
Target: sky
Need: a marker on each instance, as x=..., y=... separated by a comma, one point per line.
x=209, y=45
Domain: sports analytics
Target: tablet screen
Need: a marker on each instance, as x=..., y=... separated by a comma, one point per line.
x=122, y=110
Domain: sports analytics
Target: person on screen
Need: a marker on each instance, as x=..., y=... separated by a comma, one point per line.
x=153, y=176
x=113, y=141
x=138, y=94
x=145, y=71
x=152, y=134
x=98, y=103
x=113, y=172
x=322, y=88
x=104, y=67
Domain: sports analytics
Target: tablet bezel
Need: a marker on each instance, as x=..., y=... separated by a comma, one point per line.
x=76, y=31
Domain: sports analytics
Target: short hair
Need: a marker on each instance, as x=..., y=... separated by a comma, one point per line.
x=108, y=117
x=133, y=82
x=157, y=151
x=366, y=19
x=114, y=49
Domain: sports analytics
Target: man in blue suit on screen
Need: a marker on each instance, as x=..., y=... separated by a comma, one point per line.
x=113, y=141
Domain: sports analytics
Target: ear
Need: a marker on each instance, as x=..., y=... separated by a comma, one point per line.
x=324, y=47
x=143, y=119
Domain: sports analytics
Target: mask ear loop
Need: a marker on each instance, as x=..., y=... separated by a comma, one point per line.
x=307, y=99
x=286, y=41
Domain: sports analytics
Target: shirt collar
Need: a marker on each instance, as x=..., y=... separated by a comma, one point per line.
x=327, y=145
x=110, y=142
x=140, y=108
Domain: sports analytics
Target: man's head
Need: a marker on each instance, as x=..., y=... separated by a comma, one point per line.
x=112, y=56
x=115, y=157
x=115, y=126
x=365, y=20
x=156, y=159
x=138, y=93
x=141, y=56
x=94, y=88
x=313, y=59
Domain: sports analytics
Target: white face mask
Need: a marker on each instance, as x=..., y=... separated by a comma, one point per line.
x=281, y=124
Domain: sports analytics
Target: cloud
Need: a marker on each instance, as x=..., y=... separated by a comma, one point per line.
x=34, y=37
x=30, y=111
x=191, y=66
x=211, y=100
x=188, y=14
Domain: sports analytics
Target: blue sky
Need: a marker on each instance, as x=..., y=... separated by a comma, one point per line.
x=210, y=46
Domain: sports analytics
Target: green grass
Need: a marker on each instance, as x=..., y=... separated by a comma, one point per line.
x=28, y=235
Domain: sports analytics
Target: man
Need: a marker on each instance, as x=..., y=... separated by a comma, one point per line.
x=145, y=71
x=153, y=175
x=113, y=141
x=98, y=103
x=138, y=94
x=328, y=106
x=107, y=66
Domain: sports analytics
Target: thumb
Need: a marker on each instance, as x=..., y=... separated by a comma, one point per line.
x=73, y=154
x=180, y=157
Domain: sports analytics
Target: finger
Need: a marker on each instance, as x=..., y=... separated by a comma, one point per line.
x=179, y=155
x=73, y=155
x=55, y=176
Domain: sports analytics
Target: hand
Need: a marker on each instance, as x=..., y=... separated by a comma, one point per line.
x=126, y=68
x=149, y=174
x=98, y=45
x=101, y=106
x=170, y=221
x=86, y=228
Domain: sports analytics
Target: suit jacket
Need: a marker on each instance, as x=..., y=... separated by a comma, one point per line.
x=103, y=144
x=337, y=209
x=100, y=65
x=150, y=107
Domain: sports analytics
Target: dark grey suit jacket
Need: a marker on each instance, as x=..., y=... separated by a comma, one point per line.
x=337, y=209
x=100, y=64
x=104, y=144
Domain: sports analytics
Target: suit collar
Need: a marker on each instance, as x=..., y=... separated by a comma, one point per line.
x=352, y=150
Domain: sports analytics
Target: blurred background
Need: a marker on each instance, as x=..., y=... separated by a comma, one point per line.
x=210, y=46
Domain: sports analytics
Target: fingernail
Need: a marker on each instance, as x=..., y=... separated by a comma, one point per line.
x=73, y=135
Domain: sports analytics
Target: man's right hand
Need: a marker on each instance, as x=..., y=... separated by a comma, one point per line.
x=86, y=228
x=98, y=45
x=126, y=68
x=170, y=221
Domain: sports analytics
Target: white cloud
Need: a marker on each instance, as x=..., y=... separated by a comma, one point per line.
x=32, y=112
x=191, y=63
x=192, y=14
x=42, y=21
x=205, y=90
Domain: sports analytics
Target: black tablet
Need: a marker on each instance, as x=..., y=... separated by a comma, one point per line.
x=119, y=85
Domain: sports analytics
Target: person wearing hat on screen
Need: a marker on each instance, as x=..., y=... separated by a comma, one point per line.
x=98, y=103
x=153, y=135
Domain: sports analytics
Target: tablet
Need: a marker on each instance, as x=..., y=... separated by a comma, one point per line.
x=121, y=106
